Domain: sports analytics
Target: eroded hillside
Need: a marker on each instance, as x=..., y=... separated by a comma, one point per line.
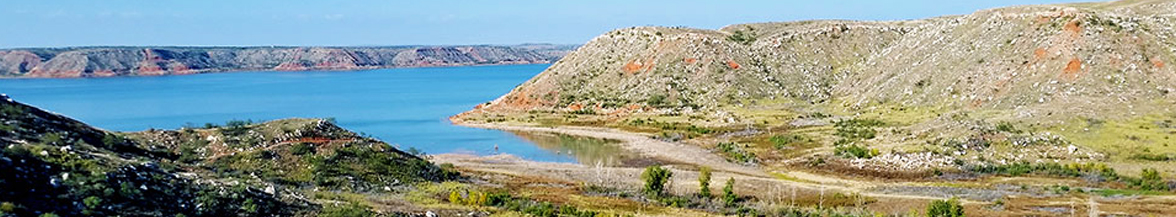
x=1087, y=82
x=145, y=61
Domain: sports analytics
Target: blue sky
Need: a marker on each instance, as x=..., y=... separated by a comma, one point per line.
x=58, y=23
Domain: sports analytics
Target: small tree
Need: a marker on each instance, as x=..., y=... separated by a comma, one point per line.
x=655, y=179
x=945, y=208
x=704, y=178
x=729, y=192
x=1151, y=180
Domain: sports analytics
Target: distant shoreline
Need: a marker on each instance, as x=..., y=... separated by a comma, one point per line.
x=271, y=70
x=92, y=62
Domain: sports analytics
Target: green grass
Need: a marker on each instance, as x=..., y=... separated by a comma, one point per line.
x=1107, y=192
x=1124, y=139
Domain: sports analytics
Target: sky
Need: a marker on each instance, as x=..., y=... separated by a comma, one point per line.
x=64, y=23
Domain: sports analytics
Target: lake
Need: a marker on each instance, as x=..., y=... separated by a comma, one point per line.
x=406, y=107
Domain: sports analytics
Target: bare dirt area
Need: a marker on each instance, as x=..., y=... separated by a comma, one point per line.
x=642, y=144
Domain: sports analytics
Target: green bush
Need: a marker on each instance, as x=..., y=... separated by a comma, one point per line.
x=736, y=153
x=656, y=100
x=1007, y=127
x=302, y=148
x=855, y=151
x=729, y=197
x=741, y=37
x=704, y=177
x=945, y=208
x=655, y=178
x=346, y=210
x=1150, y=180
x=784, y=141
x=857, y=129
x=585, y=111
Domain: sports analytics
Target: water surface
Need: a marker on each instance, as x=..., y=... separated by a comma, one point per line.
x=405, y=107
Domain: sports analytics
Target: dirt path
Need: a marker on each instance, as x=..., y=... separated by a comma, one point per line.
x=777, y=187
x=751, y=180
x=685, y=180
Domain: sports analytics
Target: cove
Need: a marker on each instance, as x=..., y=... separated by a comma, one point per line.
x=406, y=107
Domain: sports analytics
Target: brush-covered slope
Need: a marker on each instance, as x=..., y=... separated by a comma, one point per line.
x=54, y=164
x=1097, y=75
x=999, y=58
x=133, y=61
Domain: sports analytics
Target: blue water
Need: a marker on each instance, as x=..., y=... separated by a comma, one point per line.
x=406, y=107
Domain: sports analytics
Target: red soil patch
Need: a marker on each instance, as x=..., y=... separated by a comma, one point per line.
x=1072, y=69
x=290, y=66
x=632, y=67
x=1158, y=63
x=976, y=103
x=149, y=65
x=1039, y=54
x=102, y=73
x=690, y=60
x=733, y=65
x=1072, y=27
x=315, y=140
x=575, y=107
x=1043, y=19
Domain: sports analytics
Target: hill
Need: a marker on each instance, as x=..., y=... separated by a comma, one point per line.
x=54, y=164
x=145, y=61
x=1073, y=82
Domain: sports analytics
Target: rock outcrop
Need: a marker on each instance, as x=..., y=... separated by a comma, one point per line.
x=1048, y=59
x=140, y=61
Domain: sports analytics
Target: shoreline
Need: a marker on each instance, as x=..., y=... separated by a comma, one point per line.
x=266, y=70
x=641, y=144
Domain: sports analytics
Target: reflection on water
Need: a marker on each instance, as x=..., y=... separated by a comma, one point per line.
x=586, y=150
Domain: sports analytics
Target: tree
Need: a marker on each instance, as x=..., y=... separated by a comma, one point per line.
x=945, y=208
x=704, y=178
x=729, y=196
x=1150, y=180
x=655, y=178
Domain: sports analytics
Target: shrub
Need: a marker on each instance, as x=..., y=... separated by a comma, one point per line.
x=497, y=199
x=92, y=202
x=736, y=153
x=655, y=178
x=1007, y=127
x=783, y=141
x=855, y=151
x=302, y=149
x=729, y=197
x=348, y=210
x=1150, y=180
x=704, y=178
x=945, y=208
x=249, y=207
x=236, y=127
x=741, y=37
x=656, y=100
x=454, y=197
